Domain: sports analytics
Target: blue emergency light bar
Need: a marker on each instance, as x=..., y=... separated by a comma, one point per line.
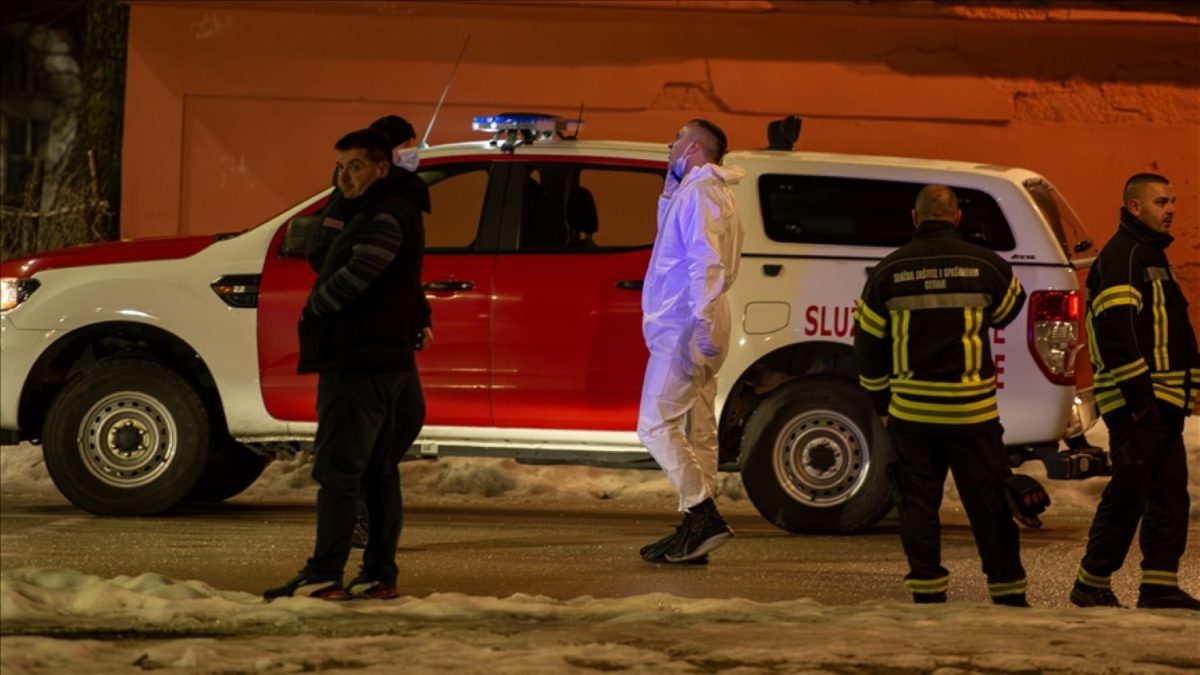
x=512, y=129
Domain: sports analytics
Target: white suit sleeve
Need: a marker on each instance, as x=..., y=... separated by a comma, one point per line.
x=707, y=271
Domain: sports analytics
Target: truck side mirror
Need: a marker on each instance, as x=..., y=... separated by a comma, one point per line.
x=295, y=240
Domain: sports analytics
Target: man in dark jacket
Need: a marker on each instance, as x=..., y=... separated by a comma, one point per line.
x=356, y=331
x=923, y=351
x=1143, y=352
x=403, y=139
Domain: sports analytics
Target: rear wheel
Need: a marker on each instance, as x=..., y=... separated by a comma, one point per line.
x=815, y=456
x=126, y=437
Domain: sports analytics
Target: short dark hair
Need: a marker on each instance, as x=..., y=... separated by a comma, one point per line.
x=1136, y=181
x=936, y=202
x=376, y=144
x=718, y=138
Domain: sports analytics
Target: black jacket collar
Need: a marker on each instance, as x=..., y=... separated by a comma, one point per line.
x=933, y=228
x=1141, y=233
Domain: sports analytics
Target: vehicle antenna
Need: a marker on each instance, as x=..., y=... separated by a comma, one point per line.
x=446, y=90
x=578, y=125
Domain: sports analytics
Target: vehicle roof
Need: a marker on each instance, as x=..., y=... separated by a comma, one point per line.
x=755, y=160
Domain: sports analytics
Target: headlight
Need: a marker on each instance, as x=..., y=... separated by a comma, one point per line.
x=14, y=291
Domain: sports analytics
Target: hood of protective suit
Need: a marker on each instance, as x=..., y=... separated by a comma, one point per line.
x=694, y=262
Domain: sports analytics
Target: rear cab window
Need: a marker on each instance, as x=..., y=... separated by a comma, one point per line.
x=1067, y=228
x=866, y=212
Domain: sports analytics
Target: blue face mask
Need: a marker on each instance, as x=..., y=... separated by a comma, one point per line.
x=407, y=159
x=680, y=166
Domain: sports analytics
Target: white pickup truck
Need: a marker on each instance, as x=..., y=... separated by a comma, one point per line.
x=164, y=370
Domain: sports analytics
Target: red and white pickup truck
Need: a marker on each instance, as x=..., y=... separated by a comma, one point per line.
x=164, y=370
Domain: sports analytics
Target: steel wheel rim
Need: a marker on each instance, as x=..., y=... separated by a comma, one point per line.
x=820, y=458
x=128, y=439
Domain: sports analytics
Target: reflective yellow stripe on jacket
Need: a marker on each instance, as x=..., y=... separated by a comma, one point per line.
x=870, y=321
x=900, y=322
x=942, y=413
x=1008, y=301
x=1161, y=359
x=1115, y=296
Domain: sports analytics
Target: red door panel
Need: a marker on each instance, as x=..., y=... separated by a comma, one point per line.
x=282, y=291
x=455, y=369
x=567, y=348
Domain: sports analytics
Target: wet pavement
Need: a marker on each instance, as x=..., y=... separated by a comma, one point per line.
x=493, y=547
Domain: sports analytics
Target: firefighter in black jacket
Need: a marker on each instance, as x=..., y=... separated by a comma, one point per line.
x=1143, y=352
x=924, y=356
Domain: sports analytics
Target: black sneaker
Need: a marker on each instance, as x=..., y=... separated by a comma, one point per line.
x=366, y=588
x=1166, y=597
x=1083, y=595
x=703, y=531
x=307, y=584
x=657, y=552
x=1015, y=600
x=929, y=598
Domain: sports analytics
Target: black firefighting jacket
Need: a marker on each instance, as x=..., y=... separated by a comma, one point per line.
x=924, y=352
x=1141, y=342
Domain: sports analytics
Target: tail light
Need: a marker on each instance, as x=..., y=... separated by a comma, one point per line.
x=1054, y=333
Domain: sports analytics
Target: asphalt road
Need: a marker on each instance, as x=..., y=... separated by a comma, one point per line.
x=493, y=547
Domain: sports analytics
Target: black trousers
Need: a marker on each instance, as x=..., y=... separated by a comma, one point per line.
x=975, y=454
x=365, y=424
x=1149, y=484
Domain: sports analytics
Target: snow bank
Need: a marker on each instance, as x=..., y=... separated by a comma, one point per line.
x=459, y=479
x=529, y=634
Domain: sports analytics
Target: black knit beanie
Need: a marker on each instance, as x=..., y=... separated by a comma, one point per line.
x=396, y=128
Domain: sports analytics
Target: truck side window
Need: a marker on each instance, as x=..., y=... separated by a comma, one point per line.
x=866, y=212
x=457, y=194
x=578, y=209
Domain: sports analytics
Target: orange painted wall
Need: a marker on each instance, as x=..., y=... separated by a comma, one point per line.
x=232, y=106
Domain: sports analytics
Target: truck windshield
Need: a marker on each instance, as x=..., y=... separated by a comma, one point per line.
x=1071, y=235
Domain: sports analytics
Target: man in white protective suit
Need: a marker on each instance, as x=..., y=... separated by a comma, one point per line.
x=685, y=320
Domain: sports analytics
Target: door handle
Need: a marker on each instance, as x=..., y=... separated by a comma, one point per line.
x=448, y=285
x=630, y=285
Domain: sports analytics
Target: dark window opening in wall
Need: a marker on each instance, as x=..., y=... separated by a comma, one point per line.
x=866, y=212
x=24, y=144
x=20, y=71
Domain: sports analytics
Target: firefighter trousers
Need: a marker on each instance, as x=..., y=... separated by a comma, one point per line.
x=1149, y=485
x=976, y=456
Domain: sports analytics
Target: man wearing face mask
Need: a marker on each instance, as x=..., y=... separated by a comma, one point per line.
x=356, y=330
x=401, y=181
x=686, y=326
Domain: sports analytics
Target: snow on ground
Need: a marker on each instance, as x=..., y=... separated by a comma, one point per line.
x=177, y=626
x=150, y=622
x=462, y=479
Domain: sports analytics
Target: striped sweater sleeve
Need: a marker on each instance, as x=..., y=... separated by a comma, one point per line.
x=370, y=255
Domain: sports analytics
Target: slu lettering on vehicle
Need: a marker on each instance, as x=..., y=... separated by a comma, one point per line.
x=158, y=372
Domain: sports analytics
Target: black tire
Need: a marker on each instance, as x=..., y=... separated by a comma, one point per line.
x=126, y=437
x=231, y=468
x=814, y=458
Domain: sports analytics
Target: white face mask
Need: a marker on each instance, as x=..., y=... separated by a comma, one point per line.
x=406, y=158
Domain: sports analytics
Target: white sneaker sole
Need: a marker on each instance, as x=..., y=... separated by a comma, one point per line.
x=707, y=546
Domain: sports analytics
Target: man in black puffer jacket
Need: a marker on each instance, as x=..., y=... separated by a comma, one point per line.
x=357, y=331
x=400, y=181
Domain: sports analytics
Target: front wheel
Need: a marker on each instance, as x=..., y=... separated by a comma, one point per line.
x=126, y=437
x=814, y=458
x=231, y=468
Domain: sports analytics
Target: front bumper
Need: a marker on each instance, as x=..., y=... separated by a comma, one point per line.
x=19, y=351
